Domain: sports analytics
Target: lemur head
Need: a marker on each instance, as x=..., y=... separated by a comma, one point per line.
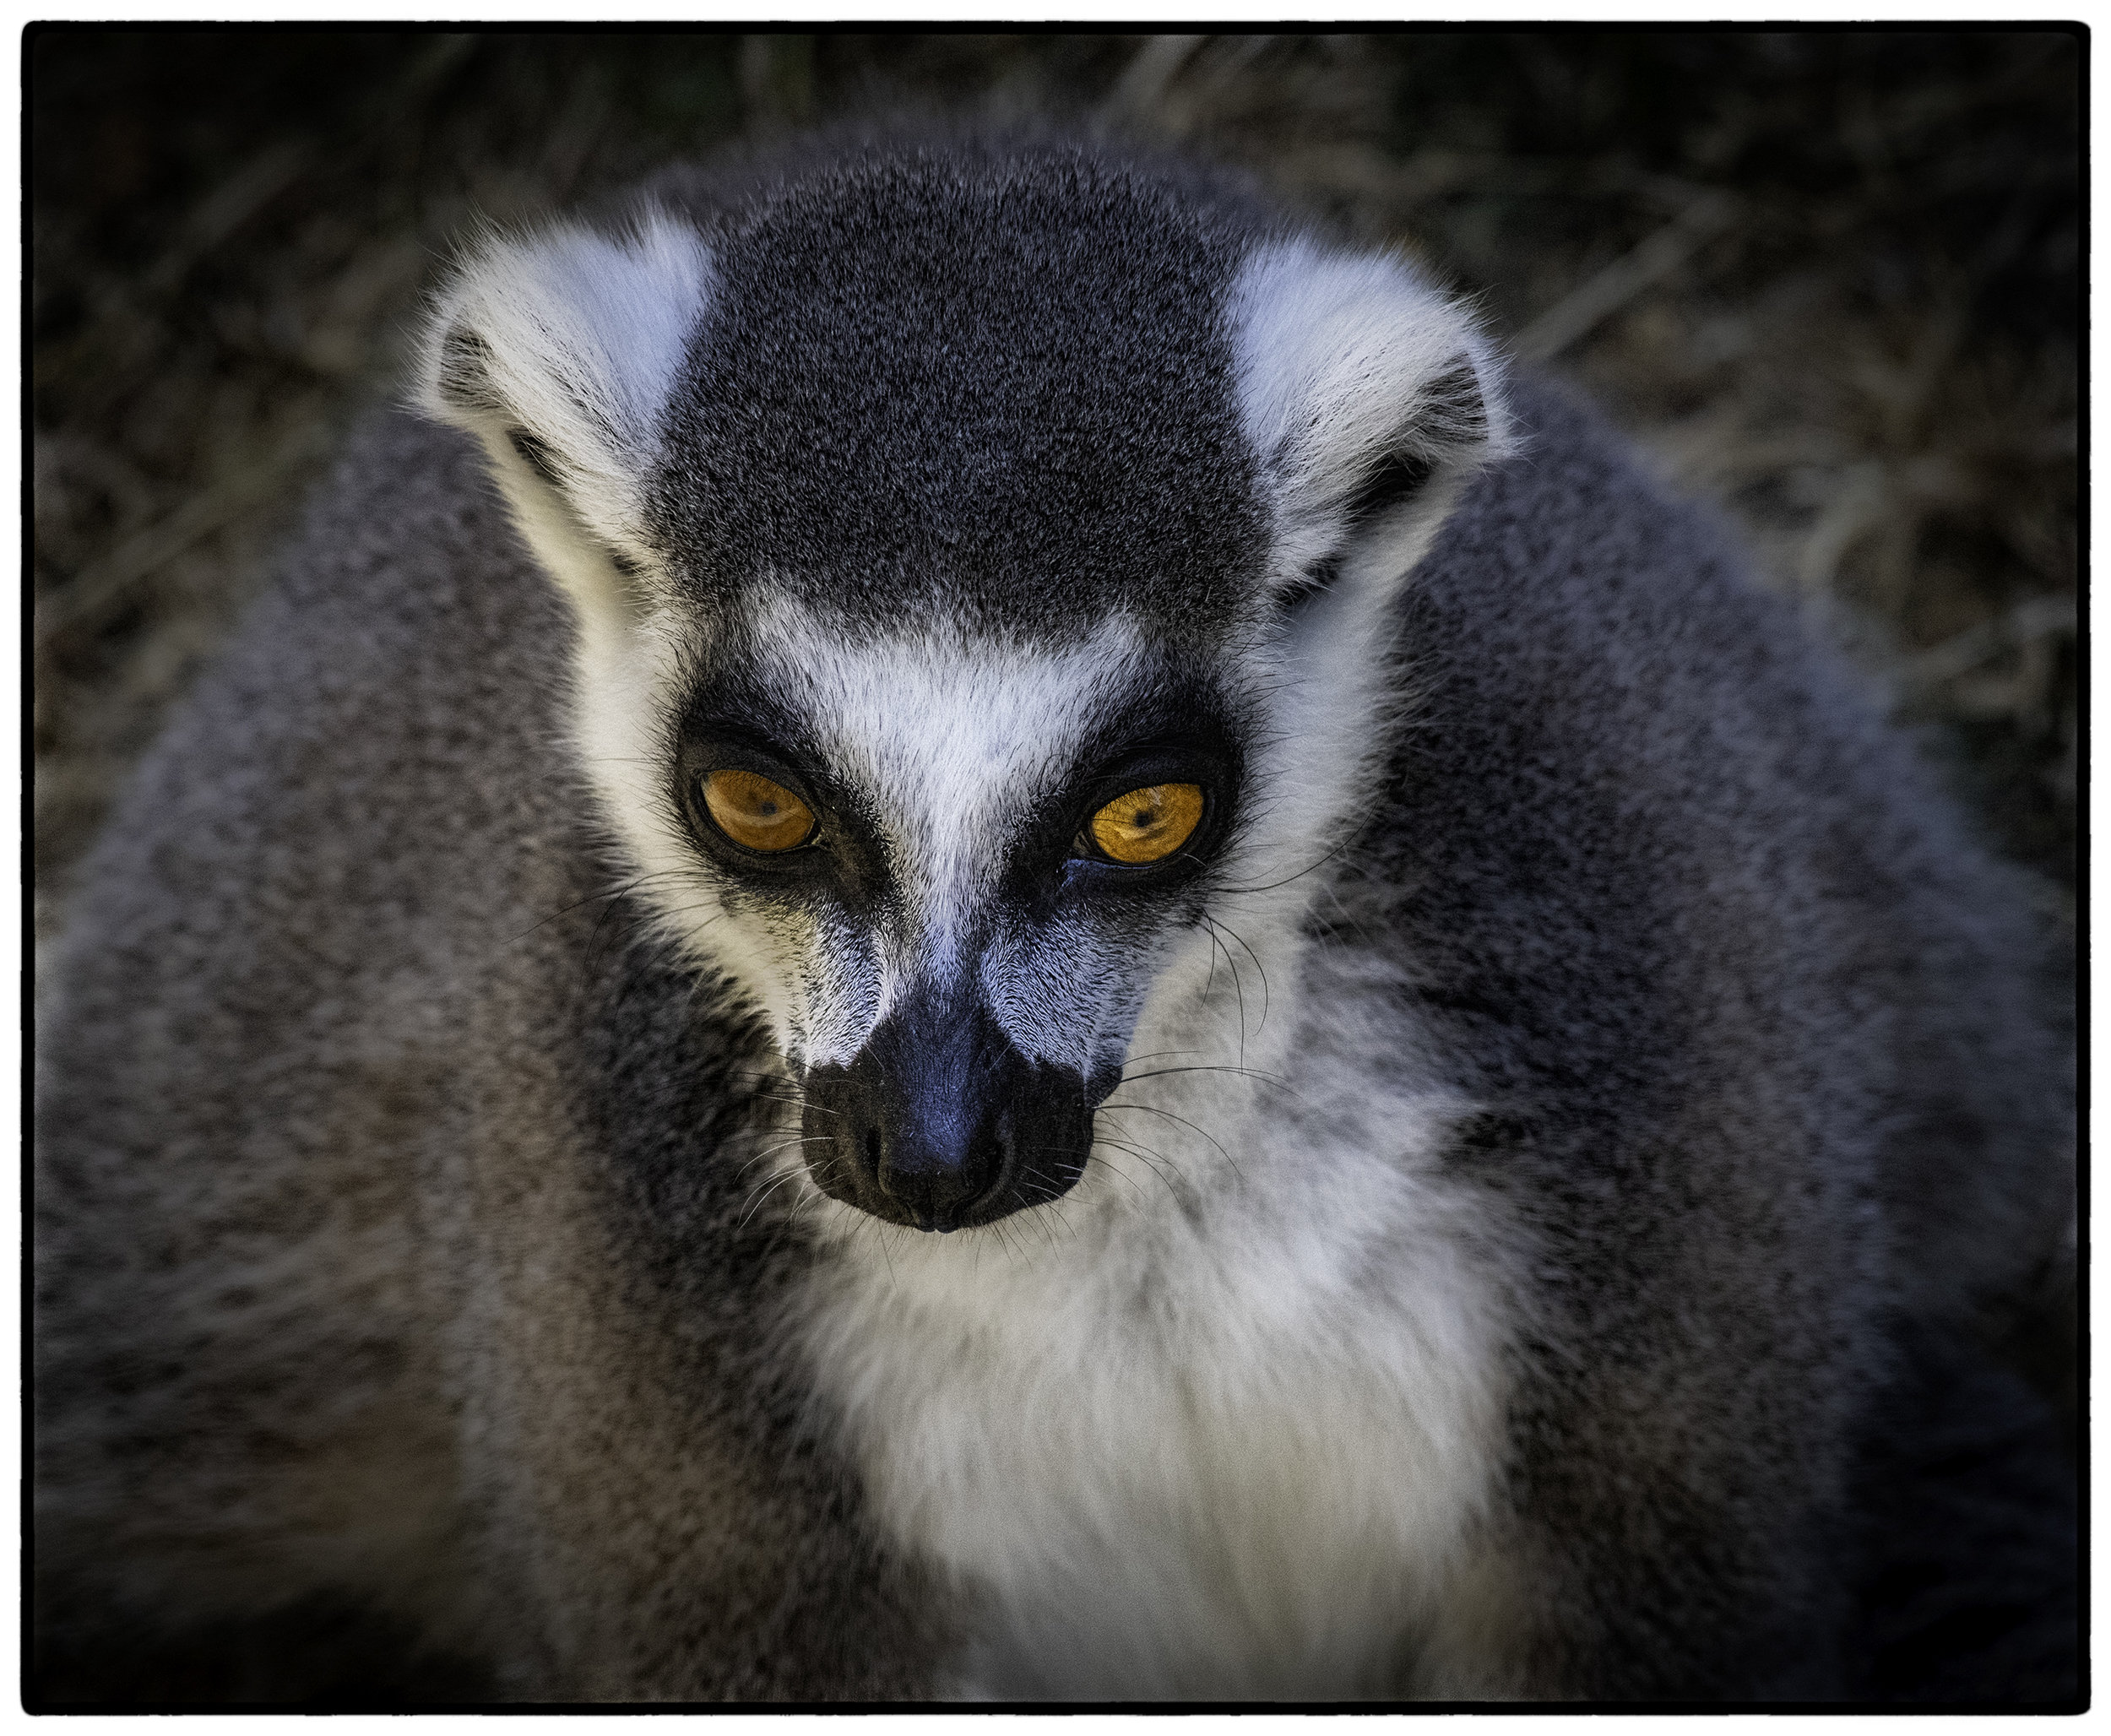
x=982, y=561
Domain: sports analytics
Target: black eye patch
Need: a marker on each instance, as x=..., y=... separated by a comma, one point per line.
x=1177, y=733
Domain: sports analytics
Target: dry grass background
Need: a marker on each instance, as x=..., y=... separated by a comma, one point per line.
x=1831, y=279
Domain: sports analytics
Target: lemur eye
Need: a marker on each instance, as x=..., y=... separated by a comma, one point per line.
x=752, y=811
x=1147, y=825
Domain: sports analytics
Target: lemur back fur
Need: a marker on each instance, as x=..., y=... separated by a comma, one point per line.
x=1579, y=1119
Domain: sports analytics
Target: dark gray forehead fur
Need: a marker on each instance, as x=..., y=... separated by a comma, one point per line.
x=994, y=379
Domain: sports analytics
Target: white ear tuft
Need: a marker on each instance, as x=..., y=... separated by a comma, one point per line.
x=559, y=351
x=1369, y=399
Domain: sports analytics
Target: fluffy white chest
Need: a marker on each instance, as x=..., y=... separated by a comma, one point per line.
x=1217, y=1425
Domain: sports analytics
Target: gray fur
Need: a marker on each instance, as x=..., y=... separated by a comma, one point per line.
x=1756, y=1033
x=394, y=1240
x=1000, y=331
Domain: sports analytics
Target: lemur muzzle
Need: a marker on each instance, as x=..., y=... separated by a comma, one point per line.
x=941, y=1122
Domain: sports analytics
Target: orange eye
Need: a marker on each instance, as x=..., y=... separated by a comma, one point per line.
x=1148, y=825
x=752, y=811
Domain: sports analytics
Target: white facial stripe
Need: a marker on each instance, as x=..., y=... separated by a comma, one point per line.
x=953, y=738
x=847, y=992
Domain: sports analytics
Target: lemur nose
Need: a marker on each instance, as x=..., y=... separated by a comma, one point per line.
x=937, y=1179
x=934, y=1077
x=941, y=1122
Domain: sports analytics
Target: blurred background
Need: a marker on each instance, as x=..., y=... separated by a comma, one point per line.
x=1831, y=279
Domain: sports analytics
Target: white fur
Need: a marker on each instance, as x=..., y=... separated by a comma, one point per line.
x=1336, y=353
x=585, y=337
x=1222, y=1422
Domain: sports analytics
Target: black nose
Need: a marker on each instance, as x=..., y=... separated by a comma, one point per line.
x=933, y=1097
x=941, y=1122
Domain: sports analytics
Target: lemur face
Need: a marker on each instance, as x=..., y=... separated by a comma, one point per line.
x=983, y=569
x=954, y=864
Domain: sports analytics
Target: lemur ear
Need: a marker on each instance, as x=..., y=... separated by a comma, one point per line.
x=559, y=351
x=1369, y=398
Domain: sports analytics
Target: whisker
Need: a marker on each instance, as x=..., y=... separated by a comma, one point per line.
x=1033, y=1210
x=580, y=904
x=1278, y=1080
x=1148, y=1110
x=1244, y=1072
x=1055, y=1192
x=1271, y=886
x=1257, y=965
x=755, y=1205
x=783, y=1146
x=1115, y=1168
x=1159, y=1055
x=1054, y=1204
x=1237, y=987
x=790, y=1226
x=1151, y=1160
x=797, y=1102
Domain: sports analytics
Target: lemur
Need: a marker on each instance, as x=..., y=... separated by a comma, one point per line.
x=977, y=928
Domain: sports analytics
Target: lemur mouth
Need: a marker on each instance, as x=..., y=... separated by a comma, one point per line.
x=940, y=1124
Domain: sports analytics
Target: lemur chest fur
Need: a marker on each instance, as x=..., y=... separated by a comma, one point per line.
x=1219, y=1423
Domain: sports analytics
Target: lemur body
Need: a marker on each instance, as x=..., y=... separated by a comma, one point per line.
x=1456, y=1222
